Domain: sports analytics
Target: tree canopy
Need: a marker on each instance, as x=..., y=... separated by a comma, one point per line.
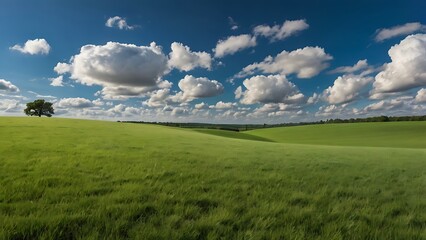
x=39, y=108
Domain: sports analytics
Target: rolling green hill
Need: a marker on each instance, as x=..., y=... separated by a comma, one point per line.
x=80, y=179
x=381, y=134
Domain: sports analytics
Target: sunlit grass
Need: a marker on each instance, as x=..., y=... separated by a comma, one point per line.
x=63, y=179
x=378, y=134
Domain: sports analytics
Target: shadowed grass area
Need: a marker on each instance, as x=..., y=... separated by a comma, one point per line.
x=76, y=179
x=232, y=134
x=382, y=134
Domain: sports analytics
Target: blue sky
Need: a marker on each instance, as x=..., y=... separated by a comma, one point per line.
x=266, y=61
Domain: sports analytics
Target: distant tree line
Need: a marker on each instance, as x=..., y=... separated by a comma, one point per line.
x=245, y=127
x=378, y=119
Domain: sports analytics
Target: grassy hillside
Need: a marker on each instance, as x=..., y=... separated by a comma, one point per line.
x=64, y=179
x=382, y=134
x=232, y=134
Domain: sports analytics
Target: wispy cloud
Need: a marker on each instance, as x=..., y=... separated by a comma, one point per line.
x=399, y=30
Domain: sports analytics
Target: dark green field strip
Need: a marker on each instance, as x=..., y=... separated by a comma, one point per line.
x=232, y=134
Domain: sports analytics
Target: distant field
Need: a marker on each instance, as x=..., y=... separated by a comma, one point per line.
x=381, y=134
x=77, y=179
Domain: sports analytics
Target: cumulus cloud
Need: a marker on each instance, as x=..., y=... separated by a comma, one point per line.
x=326, y=111
x=238, y=92
x=122, y=110
x=421, y=96
x=10, y=106
x=360, y=65
x=158, y=98
x=125, y=92
x=8, y=87
x=118, y=67
x=183, y=59
x=399, y=30
x=306, y=63
x=277, y=32
x=407, y=69
x=191, y=88
x=118, y=22
x=98, y=102
x=387, y=105
x=270, y=89
x=179, y=111
x=74, y=103
x=62, y=68
x=346, y=88
x=313, y=99
x=234, y=44
x=57, y=82
x=201, y=105
x=223, y=105
x=276, y=110
x=33, y=47
x=202, y=87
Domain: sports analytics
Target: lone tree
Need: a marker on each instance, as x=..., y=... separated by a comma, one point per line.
x=38, y=108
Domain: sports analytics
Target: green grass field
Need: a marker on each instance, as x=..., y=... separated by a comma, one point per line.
x=379, y=134
x=79, y=179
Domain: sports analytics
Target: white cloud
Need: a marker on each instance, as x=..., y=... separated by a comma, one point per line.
x=62, y=68
x=33, y=47
x=125, y=92
x=41, y=95
x=158, y=98
x=10, y=105
x=421, y=96
x=57, y=82
x=360, y=65
x=270, y=89
x=400, y=30
x=234, y=44
x=346, y=88
x=124, y=111
x=118, y=22
x=238, y=92
x=379, y=95
x=199, y=87
x=384, y=105
x=192, y=88
x=223, y=105
x=306, y=63
x=179, y=111
x=74, y=103
x=276, y=110
x=287, y=29
x=232, y=23
x=183, y=59
x=98, y=102
x=407, y=69
x=330, y=110
x=119, y=68
x=313, y=99
x=201, y=105
x=6, y=86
